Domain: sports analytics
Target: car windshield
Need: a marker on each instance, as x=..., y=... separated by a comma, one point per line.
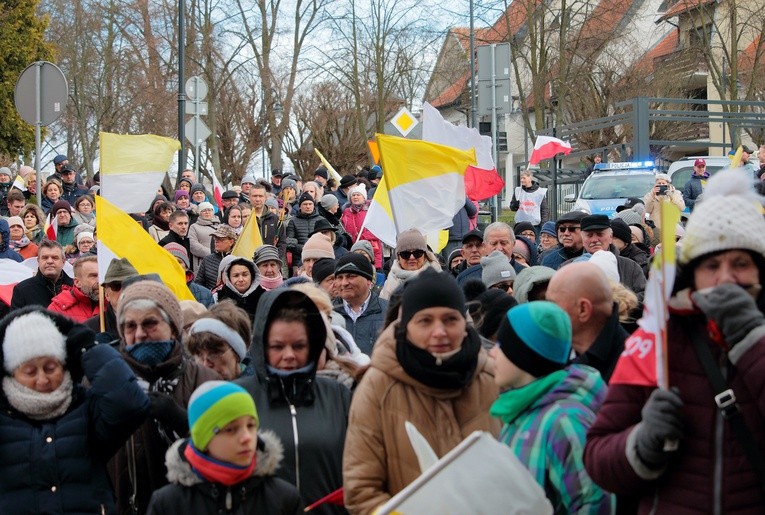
x=681, y=176
x=617, y=186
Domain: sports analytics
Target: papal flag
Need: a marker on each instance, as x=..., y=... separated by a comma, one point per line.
x=423, y=187
x=119, y=236
x=132, y=168
x=249, y=240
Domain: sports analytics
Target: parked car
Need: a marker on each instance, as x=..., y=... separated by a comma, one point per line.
x=611, y=184
x=682, y=169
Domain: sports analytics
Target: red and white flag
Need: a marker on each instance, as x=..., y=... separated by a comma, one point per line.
x=547, y=147
x=51, y=228
x=217, y=192
x=482, y=180
x=11, y=273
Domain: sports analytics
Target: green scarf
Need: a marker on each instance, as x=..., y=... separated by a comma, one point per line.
x=512, y=403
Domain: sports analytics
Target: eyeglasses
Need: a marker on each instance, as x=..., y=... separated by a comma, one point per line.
x=406, y=254
x=148, y=325
x=503, y=286
x=211, y=357
x=568, y=228
x=113, y=286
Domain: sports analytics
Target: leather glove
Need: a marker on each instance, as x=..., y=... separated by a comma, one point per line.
x=732, y=309
x=164, y=408
x=78, y=340
x=661, y=421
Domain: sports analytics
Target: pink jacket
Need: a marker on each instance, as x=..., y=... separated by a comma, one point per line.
x=352, y=221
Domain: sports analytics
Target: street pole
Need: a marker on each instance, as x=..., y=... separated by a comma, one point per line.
x=181, y=82
x=472, y=69
x=495, y=199
x=38, y=130
x=262, y=129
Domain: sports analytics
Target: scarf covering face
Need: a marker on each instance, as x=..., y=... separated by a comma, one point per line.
x=512, y=403
x=271, y=283
x=19, y=244
x=454, y=372
x=36, y=405
x=151, y=353
x=216, y=471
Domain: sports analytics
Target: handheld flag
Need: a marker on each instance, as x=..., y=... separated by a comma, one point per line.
x=644, y=360
x=51, y=227
x=328, y=166
x=250, y=239
x=217, y=191
x=425, y=186
x=374, y=150
x=735, y=159
x=547, y=147
x=482, y=180
x=132, y=168
x=120, y=236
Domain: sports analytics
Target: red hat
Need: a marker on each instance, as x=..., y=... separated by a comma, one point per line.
x=699, y=162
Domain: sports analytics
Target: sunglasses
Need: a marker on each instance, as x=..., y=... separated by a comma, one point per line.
x=568, y=228
x=406, y=254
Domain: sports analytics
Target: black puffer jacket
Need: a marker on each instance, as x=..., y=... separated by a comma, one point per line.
x=309, y=414
x=207, y=272
x=262, y=492
x=299, y=230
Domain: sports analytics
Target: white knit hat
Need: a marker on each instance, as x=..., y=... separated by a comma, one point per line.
x=728, y=218
x=606, y=261
x=359, y=188
x=29, y=336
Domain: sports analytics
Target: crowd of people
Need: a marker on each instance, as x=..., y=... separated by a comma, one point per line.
x=287, y=382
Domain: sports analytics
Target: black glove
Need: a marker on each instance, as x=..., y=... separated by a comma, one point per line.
x=661, y=422
x=78, y=340
x=164, y=408
x=732, y=309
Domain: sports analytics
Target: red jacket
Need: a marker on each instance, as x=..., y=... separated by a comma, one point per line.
x=352, y=221
x=687, y=485
x=71, y=302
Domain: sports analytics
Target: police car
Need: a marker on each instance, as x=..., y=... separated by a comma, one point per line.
x=611, y=184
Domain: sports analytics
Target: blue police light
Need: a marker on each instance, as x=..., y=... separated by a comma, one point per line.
x=638, y=165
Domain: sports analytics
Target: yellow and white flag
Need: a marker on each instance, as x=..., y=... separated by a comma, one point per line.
x=250, y=239
x=132, y=168
x=423, y=187
x=119, y=236
x=329, y=167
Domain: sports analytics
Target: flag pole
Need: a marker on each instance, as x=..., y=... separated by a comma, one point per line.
x=662, y=368
x=101, y=316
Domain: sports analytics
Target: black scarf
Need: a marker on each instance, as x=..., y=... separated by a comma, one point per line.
x=454, y=373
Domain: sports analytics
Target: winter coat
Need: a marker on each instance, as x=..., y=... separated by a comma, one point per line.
x=368, y=326
x=6, y=252
x=546, y=431
x=200, y=238
x=65, y=233
x=190, y=494
x=201, y=294
x=248, y=300
x=308, y=413
x=71, y=192
x=343, y=239
x=272, y=232
x=38, y=290
x=58, y=466
x=398, y=276
x=157, y=233
x=630, y=273
x=74, y=304
x=476, y=272
x=544, y=210
x=144, y=451
x=638, y=255
x=710, y=472
x=379, y=460
x=353, y=220
x=653, y=204
x=29, y=250
x=299, y=230
x=607, y=347
x=207, y=272
x=461, y=221
x=693, y=189
x=555, y=257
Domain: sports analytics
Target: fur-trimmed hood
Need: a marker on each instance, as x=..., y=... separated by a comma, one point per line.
x=269, y=455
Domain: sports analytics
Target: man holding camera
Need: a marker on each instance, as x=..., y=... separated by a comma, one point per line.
x=662, y=190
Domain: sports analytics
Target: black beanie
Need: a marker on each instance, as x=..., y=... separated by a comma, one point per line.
x=495, y=304
x=430, y=289
x=306, y=197
x=357, y=264
x=322, y=269
x=621, y=230
x=522, y=226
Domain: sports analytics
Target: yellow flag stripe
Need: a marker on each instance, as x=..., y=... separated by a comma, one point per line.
x=126, y=153
x=126, y=238
x=250, y=239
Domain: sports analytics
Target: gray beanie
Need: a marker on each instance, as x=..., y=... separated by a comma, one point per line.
x=7, y=171
x=272, y=202
x=366, y=247
x=630, y=216
x=289, y=183
x=266, y=253
x=328, y=201
x=527, y=279
x=411, y=239
x=496, y=269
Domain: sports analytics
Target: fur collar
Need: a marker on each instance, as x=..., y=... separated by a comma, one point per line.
x=269, y=457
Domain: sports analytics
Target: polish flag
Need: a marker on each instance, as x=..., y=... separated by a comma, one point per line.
x=482, y=180
x=11, y=273
x=546, y=147
x=51, y=228
x=217, y=192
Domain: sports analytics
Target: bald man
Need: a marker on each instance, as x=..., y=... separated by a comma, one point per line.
x=583, y=291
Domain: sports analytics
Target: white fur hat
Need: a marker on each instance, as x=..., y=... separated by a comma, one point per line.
x=606, y=261
x=32, y=335
x=359, y=188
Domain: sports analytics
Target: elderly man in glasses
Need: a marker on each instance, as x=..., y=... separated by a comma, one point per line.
x=570, y=245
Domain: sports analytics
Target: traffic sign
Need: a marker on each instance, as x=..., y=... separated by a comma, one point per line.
x=196, y=88
x=45, y=81
x=197, y=131
x=196, y=108
x=404, y=121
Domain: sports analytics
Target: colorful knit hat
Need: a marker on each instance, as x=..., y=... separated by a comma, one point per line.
x=214, y=405
x=536, y=337
x=318, y=246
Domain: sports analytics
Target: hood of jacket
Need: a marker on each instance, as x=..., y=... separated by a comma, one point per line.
x=268, y=305
x=384, y=359
x=270, y=453
x=5, y=234
x=225, y=265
